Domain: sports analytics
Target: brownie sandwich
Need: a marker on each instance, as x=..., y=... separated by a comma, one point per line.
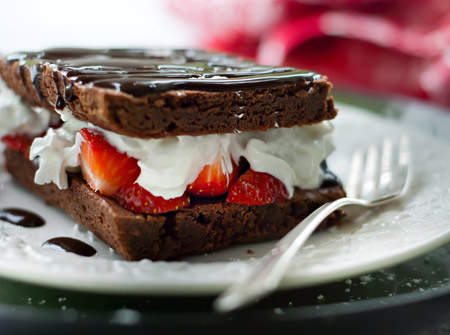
x=167, y=153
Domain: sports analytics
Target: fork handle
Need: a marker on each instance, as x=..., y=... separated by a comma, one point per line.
x=267, y=274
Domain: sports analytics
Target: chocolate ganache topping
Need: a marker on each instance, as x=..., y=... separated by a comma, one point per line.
x=139, y=71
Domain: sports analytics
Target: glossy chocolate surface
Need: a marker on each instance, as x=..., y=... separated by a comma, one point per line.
x=73, y=245
x=139, y=72
x=329, y=178
x=21, y=217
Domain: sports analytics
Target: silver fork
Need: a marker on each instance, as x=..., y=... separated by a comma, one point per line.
x=372, y=182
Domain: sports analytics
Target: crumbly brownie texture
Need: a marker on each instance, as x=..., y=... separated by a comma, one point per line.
x=205, y=226
x=152, y=100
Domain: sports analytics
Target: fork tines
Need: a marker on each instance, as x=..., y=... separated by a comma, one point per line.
x=372, y=172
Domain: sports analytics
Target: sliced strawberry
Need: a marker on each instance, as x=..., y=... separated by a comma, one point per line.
x=103, y=167
x=17, y=142
x=214, y=179
x=257, y=188
x=137, y=199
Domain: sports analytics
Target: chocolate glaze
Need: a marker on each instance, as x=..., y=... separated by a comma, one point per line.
x=71, y=245
x=21, y=217
x=140, y=72
x=330, y=179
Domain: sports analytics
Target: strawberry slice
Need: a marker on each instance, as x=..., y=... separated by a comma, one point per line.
x=17, y=142
x=257, y=188
x=214, y=179
x=137, y=199
x=104, y=168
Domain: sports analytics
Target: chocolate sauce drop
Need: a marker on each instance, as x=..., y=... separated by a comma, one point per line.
x=21, y=217
x=69, y=244
x=330, y=179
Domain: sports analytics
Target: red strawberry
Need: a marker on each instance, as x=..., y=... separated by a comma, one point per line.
x=257, y=188
x=213, y=179
x=17, y=142
x=137, y=199
x=103, y=167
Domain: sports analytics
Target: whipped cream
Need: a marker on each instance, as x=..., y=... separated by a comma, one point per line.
x=293, y=155
x=169, y=165
x=57, y=152
x=16, y=117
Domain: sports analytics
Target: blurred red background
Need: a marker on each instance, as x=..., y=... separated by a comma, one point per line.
x=385, y=46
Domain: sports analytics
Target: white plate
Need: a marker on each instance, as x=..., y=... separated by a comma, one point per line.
x=386, y=236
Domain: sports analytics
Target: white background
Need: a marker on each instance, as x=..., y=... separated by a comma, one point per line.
x=33, y=25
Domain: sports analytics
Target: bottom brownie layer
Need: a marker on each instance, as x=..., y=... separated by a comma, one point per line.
x=206, y=225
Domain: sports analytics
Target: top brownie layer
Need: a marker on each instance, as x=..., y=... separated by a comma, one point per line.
x=158, y=93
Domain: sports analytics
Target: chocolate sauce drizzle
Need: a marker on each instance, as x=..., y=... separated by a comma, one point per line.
x=329, y=179
x=141, y=72
x=69, y=244
x=21, y=217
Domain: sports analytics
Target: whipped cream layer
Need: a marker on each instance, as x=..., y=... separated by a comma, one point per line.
x=58, y=151
x=16, y=117
x=169, y=165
